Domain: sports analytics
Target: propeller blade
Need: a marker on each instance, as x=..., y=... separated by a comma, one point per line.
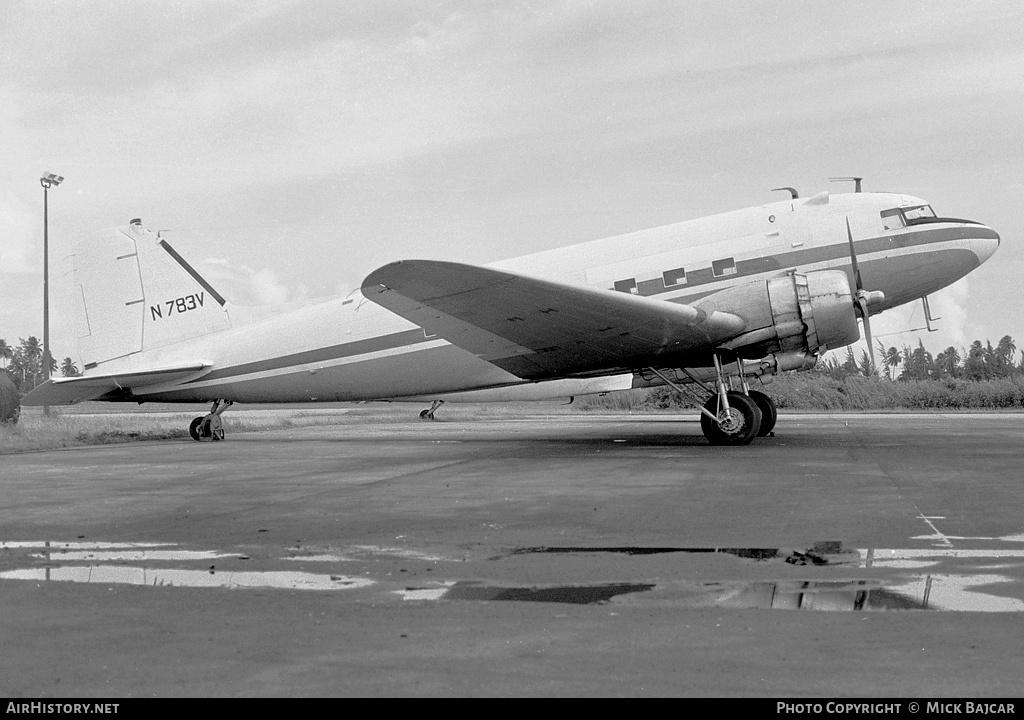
x=853, y=257
x=863, y=303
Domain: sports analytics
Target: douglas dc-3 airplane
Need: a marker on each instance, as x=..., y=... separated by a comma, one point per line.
x=702, y=306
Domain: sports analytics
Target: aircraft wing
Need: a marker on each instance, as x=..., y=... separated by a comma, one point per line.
x=70, y=390
x=536, y=328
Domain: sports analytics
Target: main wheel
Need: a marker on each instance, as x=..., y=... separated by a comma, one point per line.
x=194, y=429
x=737, y=426
x=426, y=415
x=769, y=413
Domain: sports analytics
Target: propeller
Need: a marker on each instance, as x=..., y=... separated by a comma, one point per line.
x=863, y=297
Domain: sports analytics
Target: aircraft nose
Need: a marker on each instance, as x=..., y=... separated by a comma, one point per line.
x=985, y=246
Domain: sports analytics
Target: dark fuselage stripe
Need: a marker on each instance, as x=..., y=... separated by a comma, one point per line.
x=327, y=354
x=810, y=256
x=756, y=266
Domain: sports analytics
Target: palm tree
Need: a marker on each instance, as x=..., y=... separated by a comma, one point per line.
x=948, y=362
x=28, y=357
x=866, y=367
x=991, y=360
x=974, y=367
x=31, y=347
x=850, y=364
x=891, y=358
x=6, y=352
x=68, y=368
x=1006, y=349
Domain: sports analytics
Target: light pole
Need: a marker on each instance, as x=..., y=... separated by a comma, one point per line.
x=48, y=180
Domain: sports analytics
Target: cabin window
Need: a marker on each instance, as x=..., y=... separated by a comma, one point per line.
x=725, y=266
x=674, y=277
x=626, y=286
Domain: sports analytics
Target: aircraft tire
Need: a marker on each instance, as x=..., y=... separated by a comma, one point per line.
x=743, y=429
x=193, y=429
x=769, y=413
x=425, y=415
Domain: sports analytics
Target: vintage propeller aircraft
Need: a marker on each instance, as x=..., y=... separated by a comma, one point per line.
x=704, y=306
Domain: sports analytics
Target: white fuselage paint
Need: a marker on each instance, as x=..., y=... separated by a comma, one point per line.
x=352, y=349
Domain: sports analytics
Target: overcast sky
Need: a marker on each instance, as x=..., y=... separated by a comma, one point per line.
x=289, y=148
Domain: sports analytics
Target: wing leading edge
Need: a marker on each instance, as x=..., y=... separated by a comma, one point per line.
x=67, y=391
x=537, y=328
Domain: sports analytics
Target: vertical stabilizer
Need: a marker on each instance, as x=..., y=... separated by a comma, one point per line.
x=136, y=293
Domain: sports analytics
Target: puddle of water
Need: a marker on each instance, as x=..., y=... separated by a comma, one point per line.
x=574, y=594
x=435, y=592
x=43, y=544
x=133, y=555
x=320, y=558
x=172, y=577
x=397, y=552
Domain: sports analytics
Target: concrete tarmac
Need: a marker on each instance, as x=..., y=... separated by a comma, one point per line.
x=867, y=555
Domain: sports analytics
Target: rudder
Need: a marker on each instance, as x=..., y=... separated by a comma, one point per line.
x=136, y=293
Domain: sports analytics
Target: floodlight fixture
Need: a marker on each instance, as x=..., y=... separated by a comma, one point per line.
x=50, y=179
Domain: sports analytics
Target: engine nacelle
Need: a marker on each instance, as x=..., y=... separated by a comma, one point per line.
x=798, y=313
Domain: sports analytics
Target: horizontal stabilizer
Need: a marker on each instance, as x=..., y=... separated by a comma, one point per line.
x=67, y=391
x=537, y=328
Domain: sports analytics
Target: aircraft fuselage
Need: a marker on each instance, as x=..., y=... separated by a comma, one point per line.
x=349, y=348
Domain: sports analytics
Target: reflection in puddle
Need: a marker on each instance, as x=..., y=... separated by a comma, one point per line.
x=824, y=553
x=925, y=557
x=175, y=577
x=936, y=591
x=958, y=592
x=929, y=593
x=788, y=595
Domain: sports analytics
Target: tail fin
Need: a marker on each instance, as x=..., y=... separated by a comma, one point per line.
x=136, y=293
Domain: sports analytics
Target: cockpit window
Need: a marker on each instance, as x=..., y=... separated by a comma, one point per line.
x=903, y=216
x=893, y=219
x=917, y=212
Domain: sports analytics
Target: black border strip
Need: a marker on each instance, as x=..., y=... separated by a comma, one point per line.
x=191, y=271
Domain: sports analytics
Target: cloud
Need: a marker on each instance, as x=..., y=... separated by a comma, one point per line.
x=19, y=230
x=243, y=285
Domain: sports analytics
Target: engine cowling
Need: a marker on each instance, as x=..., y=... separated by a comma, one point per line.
x=797, y=313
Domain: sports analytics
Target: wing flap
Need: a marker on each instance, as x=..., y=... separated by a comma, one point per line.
x=67, y=391
x=537, y=328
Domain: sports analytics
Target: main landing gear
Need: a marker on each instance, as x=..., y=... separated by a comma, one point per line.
x=209, y=427
x=729, y=417
x=429, y=413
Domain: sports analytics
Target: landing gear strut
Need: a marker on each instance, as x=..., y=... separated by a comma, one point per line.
x=729, y=417
x=209, y=427
x=429, y=413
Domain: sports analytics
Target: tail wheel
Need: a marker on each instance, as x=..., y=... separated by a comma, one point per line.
x=769, y=413
x=736, y=426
